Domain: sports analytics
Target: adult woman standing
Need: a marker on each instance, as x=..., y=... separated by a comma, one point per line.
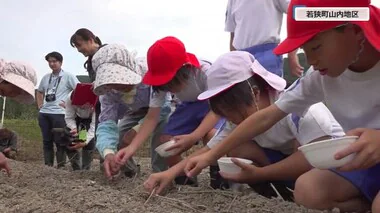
x=88, y=44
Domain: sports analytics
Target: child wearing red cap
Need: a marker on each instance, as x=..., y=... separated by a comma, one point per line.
x=345, y=57
x=172, y=69
x=238, y=77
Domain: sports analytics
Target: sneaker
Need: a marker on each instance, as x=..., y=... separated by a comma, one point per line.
x=216, y=180
x=184, y=180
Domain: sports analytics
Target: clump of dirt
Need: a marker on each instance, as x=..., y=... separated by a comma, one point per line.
x=37, y=188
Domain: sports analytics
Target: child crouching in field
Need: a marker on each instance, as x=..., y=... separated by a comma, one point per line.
x=345, y=57
x=237, y=77
x=123, y=96
x=172, y=69
x=17, y=81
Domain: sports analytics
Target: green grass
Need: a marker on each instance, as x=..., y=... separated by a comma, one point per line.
x=29, y=138
x=27, y=129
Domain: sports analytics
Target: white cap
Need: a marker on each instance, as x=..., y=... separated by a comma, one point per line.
x=235, y=67
x=114, y=64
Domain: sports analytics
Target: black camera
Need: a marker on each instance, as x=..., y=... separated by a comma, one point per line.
x=63, y=137
x=50, y=98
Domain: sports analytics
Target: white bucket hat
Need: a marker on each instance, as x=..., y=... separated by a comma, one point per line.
x=21, y=75
x=235, y=67
x=114, y=64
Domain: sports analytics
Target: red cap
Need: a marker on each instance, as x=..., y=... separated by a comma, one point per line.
x=299, y=32
x=165, y=57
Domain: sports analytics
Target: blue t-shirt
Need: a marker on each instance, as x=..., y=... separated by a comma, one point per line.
x=60, y=85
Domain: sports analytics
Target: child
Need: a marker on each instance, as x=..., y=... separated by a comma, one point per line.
x=123, y=96
x=172, y=69
x=17, y=81
x=8, y=143
x=237, y=77
x=345, y=57
x=81, y=118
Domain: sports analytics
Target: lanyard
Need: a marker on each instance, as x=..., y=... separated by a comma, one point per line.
x=56, y=83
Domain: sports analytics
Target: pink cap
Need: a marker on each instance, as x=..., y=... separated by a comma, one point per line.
x=235, y=67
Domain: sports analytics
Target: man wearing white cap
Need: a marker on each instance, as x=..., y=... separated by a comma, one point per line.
x=17, y=81
x=123, y=96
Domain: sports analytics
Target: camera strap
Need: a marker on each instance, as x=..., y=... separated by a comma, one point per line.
x=56, y=84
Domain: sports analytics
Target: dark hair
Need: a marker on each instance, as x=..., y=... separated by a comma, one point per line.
x=239, y=96
x=84, y=34
x=55, y=55
x=180, y=77
x=5, y=133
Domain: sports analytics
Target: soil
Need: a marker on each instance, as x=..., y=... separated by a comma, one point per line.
x=37, y=188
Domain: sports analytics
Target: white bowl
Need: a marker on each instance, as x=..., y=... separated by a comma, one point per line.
x=226, y=165
x=161, y=149
x=321, y=154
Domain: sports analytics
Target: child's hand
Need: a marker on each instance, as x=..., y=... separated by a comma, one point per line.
x=249, y=173
x=158, y=181
x=4, y=164
x=367, y=148
x=77, y=146
x=182, y=143
x=110, y=167
x=74, y=132
x=123, y=155
x=6, y=150
x=195, y=165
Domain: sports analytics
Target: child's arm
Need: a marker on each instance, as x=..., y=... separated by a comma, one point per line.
x=91, y=130
x=107, y=132
x=70, y=115
x=147, y=127
x=184, y=142
x=254, y=125
x=161, y=180
x=150, y=122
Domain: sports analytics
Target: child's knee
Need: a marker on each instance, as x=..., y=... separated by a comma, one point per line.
x=310, y=193
x=376, y=204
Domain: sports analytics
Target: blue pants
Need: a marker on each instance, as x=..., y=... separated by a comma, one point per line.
x=274, y=157
x=187, y=117
x=367, y=181
x=264, y=54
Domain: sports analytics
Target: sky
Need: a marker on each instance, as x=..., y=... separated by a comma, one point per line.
x=31, y=29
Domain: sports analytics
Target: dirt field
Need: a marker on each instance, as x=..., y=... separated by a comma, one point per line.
x=36, y=188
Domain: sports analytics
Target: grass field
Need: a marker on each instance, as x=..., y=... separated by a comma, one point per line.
x=30, y=139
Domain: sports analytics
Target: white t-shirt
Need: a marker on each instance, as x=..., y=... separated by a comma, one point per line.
x=317, y=122
x=353, y=98
x=255, y=22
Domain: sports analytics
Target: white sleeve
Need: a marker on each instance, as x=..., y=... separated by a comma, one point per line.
x=303, y=93
x=221, y=134
x=91, y=130
x=282, y=5
x=317, y=122
x=157, y=99
x=230, y=24
x=70, y=114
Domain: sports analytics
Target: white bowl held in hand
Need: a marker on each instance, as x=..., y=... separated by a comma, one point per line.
x=321, y=154
x=161, y=149
x=227, y=166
